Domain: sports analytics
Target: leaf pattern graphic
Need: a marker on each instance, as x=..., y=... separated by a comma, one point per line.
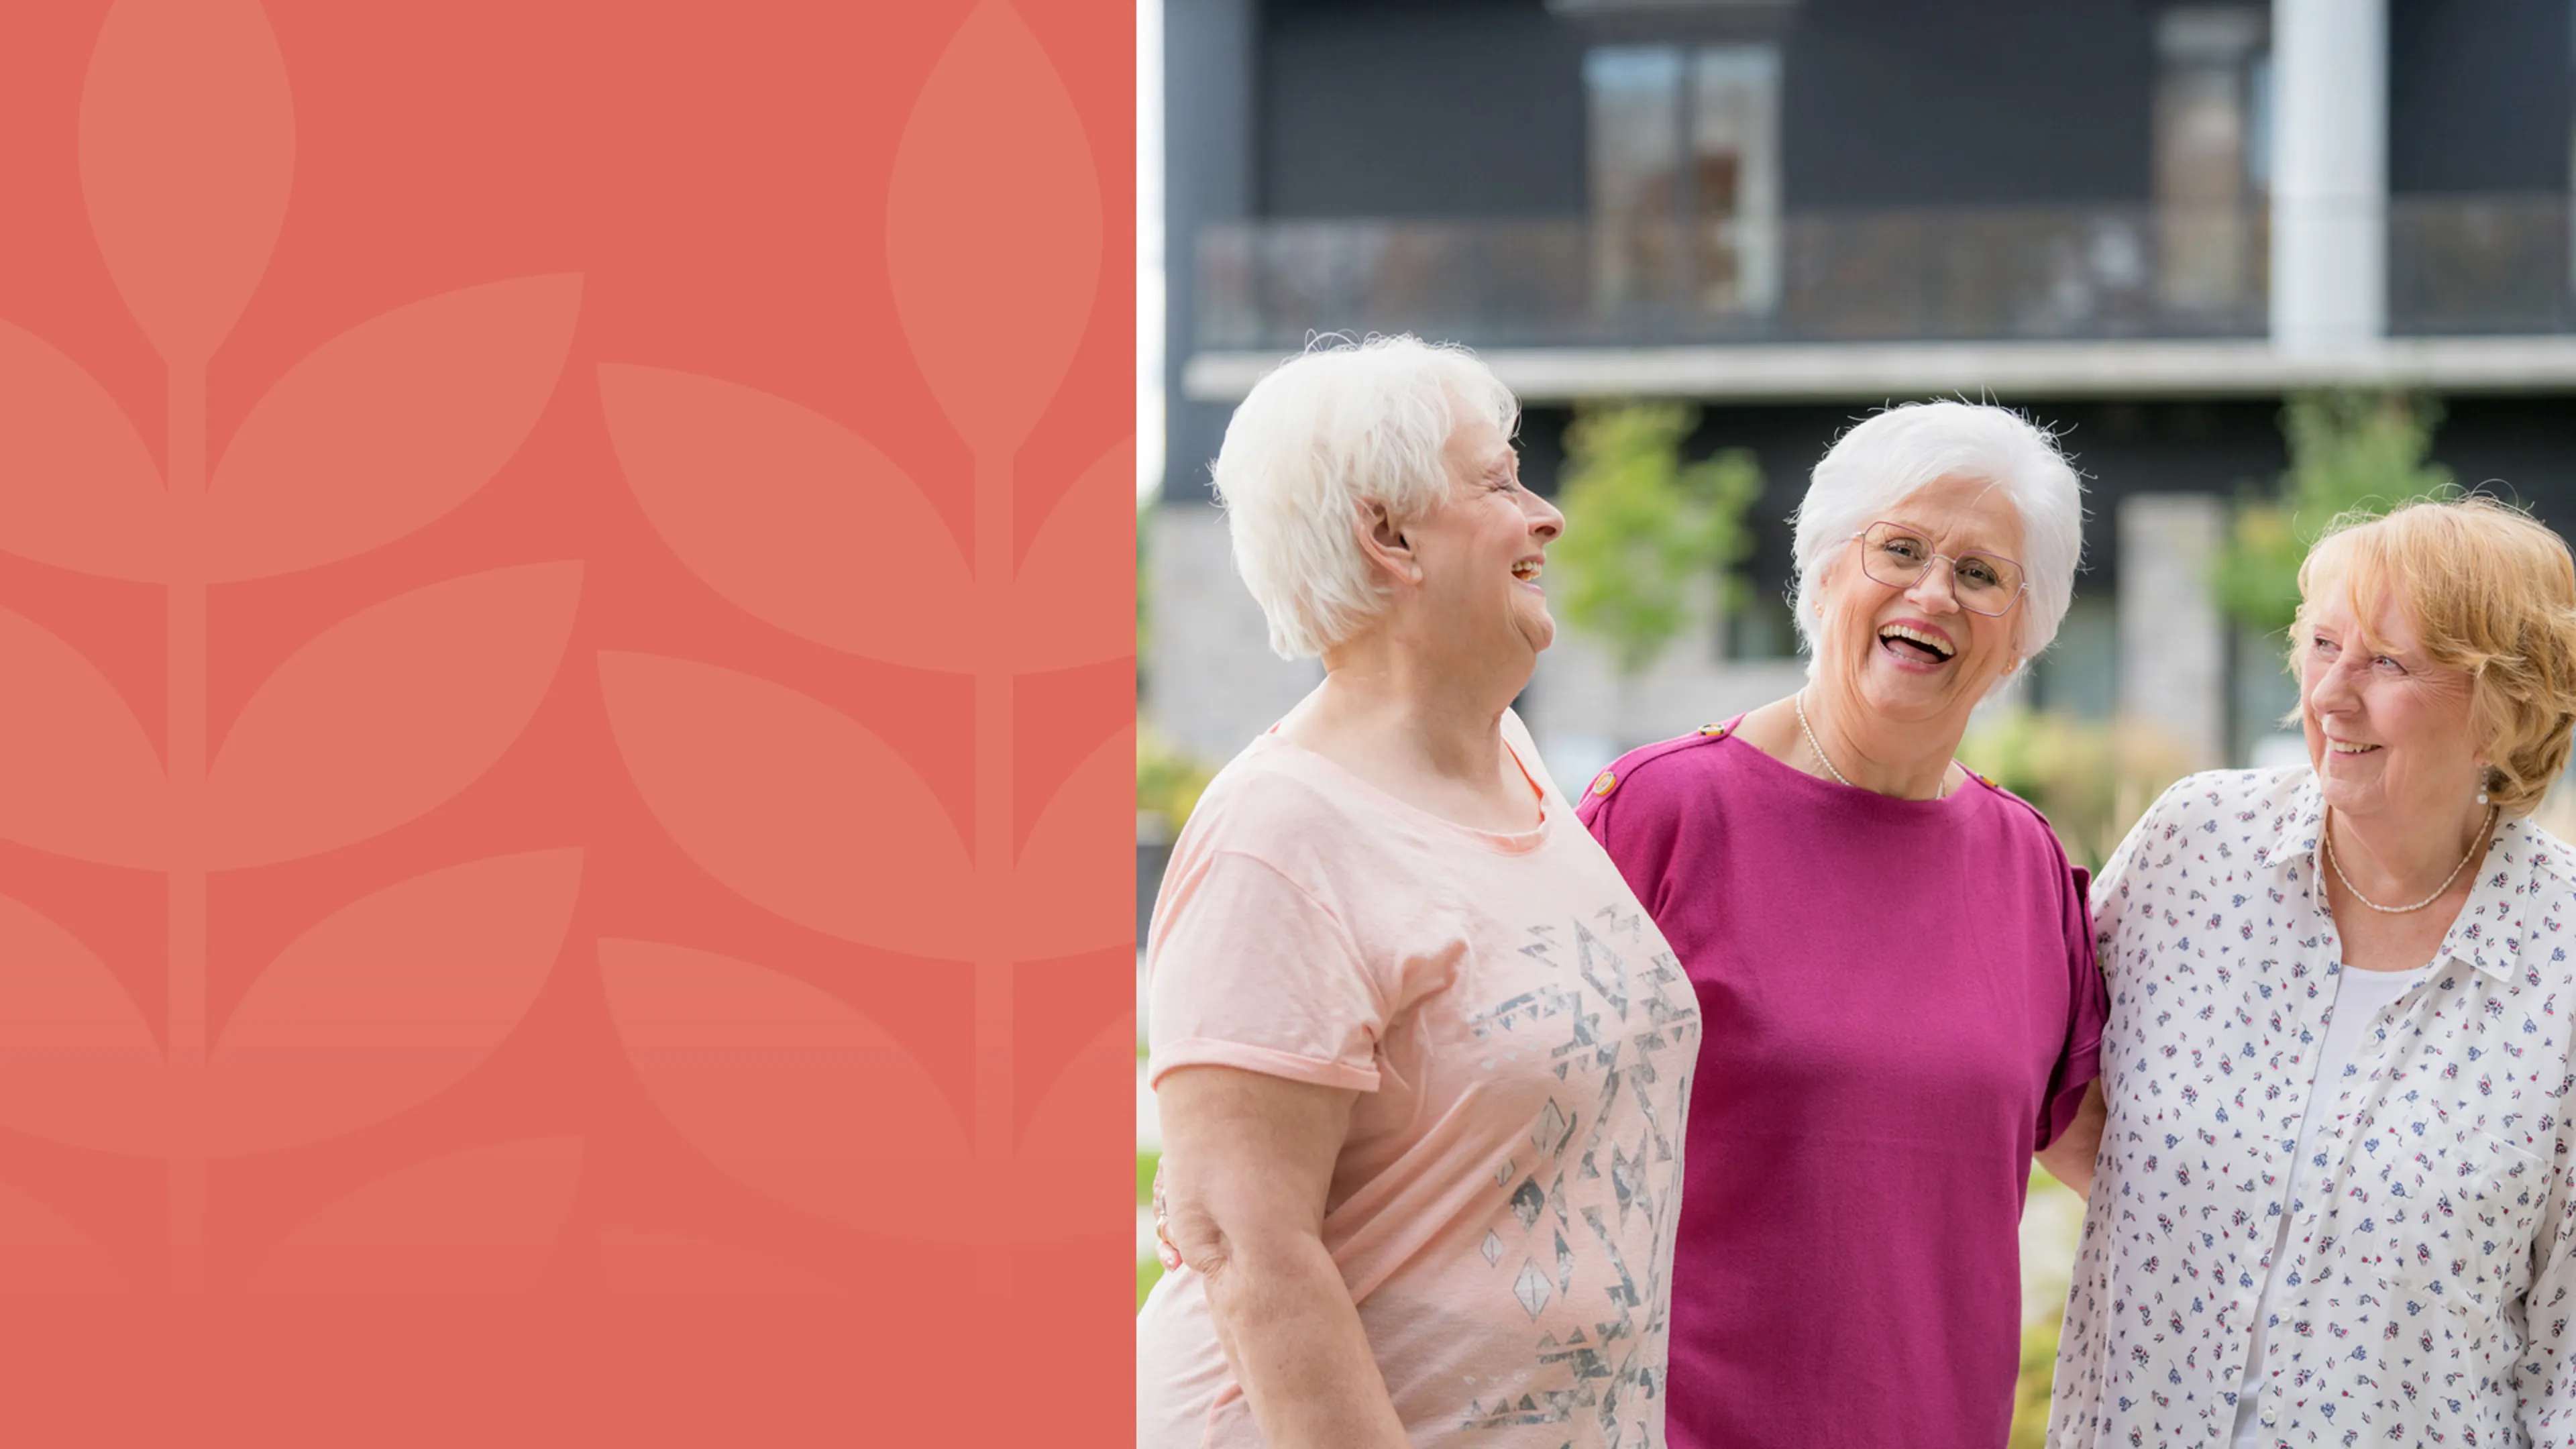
x=387, y=426
x=644, y=1260
x=187, y=148
x=78, y=490
x=77, y=775
x=1073, y=887
x=388, y=1002
x=792, y=1092
x=1075, y=1142
x=77, y=1063
x=483, y=1221
x=791, y=516
x=388, y=713
x=791, y=804
x=1060, y=616
x=993, y=230
x=41, y=1252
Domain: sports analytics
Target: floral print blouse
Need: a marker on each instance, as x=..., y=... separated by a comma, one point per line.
x=2431, y=1251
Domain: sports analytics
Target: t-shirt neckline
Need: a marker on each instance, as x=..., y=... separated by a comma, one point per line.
x=1852, y=794
x=1509, y=841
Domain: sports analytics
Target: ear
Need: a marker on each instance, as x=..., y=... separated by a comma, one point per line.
x=1385, y=546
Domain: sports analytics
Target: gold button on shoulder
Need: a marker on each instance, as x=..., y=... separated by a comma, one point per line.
x=1604, y=783
x=1715, y=731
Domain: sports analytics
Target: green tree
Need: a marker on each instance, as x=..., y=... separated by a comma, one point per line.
x=1649, y=539
x=2349, y=451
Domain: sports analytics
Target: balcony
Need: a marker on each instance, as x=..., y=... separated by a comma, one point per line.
x=2457, y=266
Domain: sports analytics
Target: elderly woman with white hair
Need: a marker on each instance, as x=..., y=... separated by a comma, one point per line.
x=1420, y=1059
x=1891, y=957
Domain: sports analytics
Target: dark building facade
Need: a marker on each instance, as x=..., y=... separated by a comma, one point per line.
x=1792, y=211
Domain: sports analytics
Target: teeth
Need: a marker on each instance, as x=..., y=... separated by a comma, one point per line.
x=2347, y=747
x=1928, y=641
x=1527, y=572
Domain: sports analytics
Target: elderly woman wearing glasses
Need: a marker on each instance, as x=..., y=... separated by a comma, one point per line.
x=1893, y=965
x=2332, y=1204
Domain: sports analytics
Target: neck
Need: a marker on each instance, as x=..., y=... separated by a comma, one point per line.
x=1445, y=718
x=2395, y=862
x=1885, y=756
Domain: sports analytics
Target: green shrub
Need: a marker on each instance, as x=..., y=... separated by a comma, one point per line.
x=1649, y=539
x=2092, y=779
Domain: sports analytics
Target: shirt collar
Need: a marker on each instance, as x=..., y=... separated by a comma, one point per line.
x=2512, y=881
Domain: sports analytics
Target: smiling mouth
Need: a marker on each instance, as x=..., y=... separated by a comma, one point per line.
x=1915, y=644
x=2347, y=747
x=1528, y=570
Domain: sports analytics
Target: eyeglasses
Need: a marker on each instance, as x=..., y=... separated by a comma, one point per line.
x=1898, y=557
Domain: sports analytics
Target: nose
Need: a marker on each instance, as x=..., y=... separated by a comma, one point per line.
x=2330, y=686
x=1941, y=597
x=1545, y=521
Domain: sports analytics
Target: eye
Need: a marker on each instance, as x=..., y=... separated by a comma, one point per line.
x=1909, y=550
x=2384, y=662
x=1977, y=573
x=2322, y=645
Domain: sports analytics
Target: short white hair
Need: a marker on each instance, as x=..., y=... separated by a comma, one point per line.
x=1879, y=463
x=1319, y=439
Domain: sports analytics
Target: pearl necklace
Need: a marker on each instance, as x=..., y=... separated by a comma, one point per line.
x=2327, y=831
x=1798, y=702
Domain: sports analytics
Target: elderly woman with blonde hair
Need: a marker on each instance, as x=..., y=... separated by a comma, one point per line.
x=1420, y=1059
x=2331, y=1204
x=1890, y=955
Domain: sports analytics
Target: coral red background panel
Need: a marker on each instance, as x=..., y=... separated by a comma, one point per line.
x=568, y=660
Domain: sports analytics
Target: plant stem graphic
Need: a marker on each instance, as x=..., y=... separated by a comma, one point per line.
x=993, y=728
x=187, y=841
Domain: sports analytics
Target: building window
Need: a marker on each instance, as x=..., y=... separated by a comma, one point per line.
x=1685, y=159
x=2213, y=156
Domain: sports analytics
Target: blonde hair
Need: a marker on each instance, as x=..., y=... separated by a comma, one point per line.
x=1320, y=438
x=2490, y=592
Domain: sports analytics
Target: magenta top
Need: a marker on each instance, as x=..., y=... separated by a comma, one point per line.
x=1899, y=1006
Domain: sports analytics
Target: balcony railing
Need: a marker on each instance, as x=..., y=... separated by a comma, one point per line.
x=2457, y=265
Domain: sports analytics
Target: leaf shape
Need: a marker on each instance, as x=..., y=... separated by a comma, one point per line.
x=792, y=804
x=41, y=1252
x=1060, y=616
x=1068, y=1182
x=484, y=1221
x=388, y=1002
x=643, y=1260
x=77, y=775
x=187, y=150
x=388, y=426
x=792, y=516
x=993, y=229
x=78, y=490
x=1074, y=888
x=77, y=1062
x=388, y=713
x=792, y=1092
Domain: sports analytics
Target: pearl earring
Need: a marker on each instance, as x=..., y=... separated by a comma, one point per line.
x=2482, y=787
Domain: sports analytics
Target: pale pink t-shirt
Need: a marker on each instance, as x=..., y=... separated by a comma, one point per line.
x=1522, y=1040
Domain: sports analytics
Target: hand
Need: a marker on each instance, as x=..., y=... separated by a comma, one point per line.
x=1169, y=1255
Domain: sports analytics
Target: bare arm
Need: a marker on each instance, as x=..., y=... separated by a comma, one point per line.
x=1247, y=1160
x=2069, y=1159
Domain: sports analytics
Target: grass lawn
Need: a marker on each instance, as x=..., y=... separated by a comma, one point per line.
x=1148, y=1268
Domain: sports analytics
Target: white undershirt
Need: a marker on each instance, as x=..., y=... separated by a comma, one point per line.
x=2359, y=997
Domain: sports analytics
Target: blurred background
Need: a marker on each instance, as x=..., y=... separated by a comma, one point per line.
x=2255, y=263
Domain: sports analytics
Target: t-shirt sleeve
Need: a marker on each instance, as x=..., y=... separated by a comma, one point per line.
x=1249, y=970
x=2088, y=1004
x=1637, y=826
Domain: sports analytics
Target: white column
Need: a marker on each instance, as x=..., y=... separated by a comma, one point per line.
x=2329, y=173
x=2173, y=642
